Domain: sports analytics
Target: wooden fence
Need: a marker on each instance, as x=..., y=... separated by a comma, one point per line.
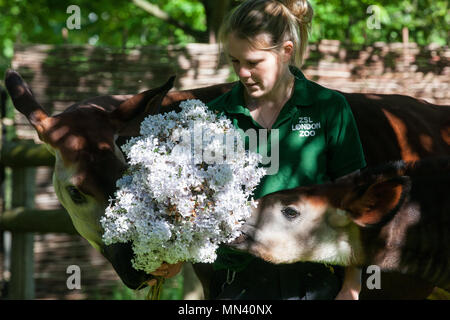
x=61, y=75
x=18, y=215
x=22, y=219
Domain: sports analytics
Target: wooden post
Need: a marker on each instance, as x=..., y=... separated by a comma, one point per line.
x=406, y=57
x=22, y=255
x=405, y=36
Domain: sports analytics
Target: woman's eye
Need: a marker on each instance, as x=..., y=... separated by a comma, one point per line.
x=75, y=195
x=290, y=212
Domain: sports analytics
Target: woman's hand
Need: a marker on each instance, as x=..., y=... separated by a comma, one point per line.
x=348, y=294
x=166, y=271
x=352, y=285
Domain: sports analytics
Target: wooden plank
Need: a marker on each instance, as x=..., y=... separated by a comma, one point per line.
x=25, y=153
x=41, y=221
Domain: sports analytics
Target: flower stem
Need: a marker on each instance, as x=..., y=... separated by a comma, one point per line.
x=154, y=293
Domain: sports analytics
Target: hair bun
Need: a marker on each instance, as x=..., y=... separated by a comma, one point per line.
x=301, y=9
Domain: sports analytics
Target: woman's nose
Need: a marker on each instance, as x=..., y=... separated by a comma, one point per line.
x=243, y=72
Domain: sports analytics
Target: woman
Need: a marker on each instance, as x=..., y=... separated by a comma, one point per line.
x=318, y=141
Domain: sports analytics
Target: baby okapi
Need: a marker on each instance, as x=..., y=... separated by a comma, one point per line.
x=396, y=217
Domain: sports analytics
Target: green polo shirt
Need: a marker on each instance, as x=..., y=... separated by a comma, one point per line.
x=318, y=140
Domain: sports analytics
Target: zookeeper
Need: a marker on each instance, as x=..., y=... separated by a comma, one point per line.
x=317, y=141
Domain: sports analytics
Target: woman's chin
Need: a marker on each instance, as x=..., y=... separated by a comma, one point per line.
x=254, y=92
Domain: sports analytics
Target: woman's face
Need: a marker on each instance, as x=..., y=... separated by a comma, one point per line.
x=258, y=70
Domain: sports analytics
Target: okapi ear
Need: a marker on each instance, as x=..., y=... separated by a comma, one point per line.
x=24, y=101
x=375, y=203
x=126, y=118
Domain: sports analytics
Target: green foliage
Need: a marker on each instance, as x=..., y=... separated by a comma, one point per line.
x=103, y=23
x=427, y=20
x=123, y=24
x=112, y=23
x=173, y=288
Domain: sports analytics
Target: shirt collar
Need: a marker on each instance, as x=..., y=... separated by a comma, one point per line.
x=300, y=97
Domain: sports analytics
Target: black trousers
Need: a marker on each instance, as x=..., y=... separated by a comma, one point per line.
x=261, y=280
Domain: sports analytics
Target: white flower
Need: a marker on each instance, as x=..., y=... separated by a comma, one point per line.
x=188, y=188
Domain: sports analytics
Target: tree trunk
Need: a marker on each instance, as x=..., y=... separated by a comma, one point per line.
x=215, y=14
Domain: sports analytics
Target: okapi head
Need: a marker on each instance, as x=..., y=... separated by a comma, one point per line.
x=87, y=160
x=394, y=216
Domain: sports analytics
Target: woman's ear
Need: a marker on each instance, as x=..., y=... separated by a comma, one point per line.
x=287, y=51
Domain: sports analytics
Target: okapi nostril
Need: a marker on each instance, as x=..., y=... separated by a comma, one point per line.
x=243, y=237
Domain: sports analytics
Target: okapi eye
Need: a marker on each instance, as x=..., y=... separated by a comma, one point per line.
x=290, y=212
x=75, y=195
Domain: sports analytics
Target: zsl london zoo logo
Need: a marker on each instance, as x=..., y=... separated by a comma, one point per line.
x=306, y=127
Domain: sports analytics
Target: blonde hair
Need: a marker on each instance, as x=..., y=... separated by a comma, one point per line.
x=281, y=20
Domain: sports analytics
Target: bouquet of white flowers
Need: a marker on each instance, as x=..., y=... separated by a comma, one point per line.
x=188, y=188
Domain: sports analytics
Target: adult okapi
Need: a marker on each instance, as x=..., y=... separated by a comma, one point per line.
x=88, y=161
